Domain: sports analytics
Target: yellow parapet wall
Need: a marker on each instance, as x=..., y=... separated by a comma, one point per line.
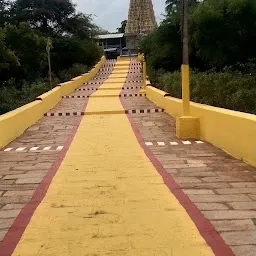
x=156, y=96
x=232, y=131
x=70, y=86
x=67, y=87
x=50, y=99
x=14, y=123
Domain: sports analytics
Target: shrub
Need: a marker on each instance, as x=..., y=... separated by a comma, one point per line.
x=12, y=97
x=231, y=90
x=76, y=70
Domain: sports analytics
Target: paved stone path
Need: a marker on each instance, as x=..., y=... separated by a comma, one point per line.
x=199, y=175
x=22, y=172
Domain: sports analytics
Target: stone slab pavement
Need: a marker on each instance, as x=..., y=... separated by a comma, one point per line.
x=106, y=198
x=222, y=188
x=29, y=157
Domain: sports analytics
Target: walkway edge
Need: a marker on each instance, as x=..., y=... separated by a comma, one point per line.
x=204, y=226
x=18, y=227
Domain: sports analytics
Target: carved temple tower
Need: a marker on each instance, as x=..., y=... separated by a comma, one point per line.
x=141, y=21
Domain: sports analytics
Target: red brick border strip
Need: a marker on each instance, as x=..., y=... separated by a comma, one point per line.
x=95, y=89
x=127, y=81
x=206, y=229
x=64, y=114
x=132, y=95
x=99, y=78
x=87, y=89
x=128, y=111
x=144, y=111
x=88, y=96
x=131, y=76
x=132, y=87
x=132, y=82
x=131, y=72
x=92, y=83
x=75, y=96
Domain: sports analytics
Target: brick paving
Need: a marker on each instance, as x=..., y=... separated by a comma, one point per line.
x=222, y=187
x=22, y=172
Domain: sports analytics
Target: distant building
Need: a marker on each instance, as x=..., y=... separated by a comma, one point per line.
x=141, y=21
x=113, y=44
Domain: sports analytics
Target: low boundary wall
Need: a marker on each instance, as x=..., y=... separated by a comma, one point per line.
x=232, y=131
x=14, y=123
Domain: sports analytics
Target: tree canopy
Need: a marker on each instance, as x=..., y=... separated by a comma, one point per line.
x=52, y=17
x=25, y=26
x=221, y=33
x=222, y=53
x=123, y=26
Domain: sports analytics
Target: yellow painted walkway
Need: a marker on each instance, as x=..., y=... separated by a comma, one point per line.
x=108, y=199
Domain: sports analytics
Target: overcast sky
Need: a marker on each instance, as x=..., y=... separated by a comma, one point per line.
x=110, y=13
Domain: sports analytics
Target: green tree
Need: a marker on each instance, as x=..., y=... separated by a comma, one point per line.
x=80, y=25
x=101, y=31
x=67, y=51
x=55, y=17
x=221, y=33
x=224, y=32
x=222, y=52
x=4, y=7
x=29, y=49
x=25, y=27
x=162, y=49
x=50, y=16
x=123, y=26
x=8, y=59
x=173, y=6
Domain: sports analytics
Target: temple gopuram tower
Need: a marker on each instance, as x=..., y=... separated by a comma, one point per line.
x=141, y=21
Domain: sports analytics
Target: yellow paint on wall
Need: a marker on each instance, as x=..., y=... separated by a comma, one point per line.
x=156, y=96
x=236, y=133
x=67, y=87
x=50, y=99
x=14, y=123
x=185, y=90
x=108, y=199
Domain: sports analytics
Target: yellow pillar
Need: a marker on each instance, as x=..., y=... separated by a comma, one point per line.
x=144, y=74
x=185, y=90
x=187, y=126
